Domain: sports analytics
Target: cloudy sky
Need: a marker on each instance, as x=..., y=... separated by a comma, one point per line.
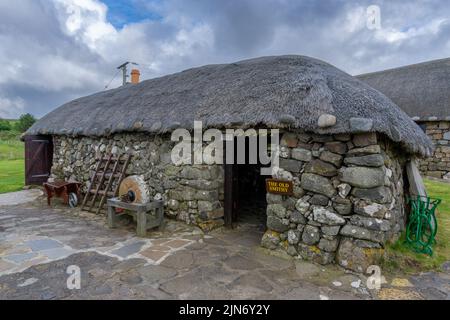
x=52, y=51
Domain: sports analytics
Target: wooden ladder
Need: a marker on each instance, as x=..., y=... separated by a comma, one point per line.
x=109, y=173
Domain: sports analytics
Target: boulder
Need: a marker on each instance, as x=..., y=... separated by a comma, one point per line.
x=212, y=215
x=325, y=216
x=365, y=139
x=270, y=240
x=344, y=189
x=373, y=149
x=189, y=172
x=318, y=184
x=355, y=258
x=310, y=235
x=370, y=223
x=336, y=147
x=326, y=120
x=319, y=200
x=447, y=135
x=289, y=140
x=342, y=206
x=291, y=165
x=371, y=160
x=328, y=245
x=207, y=195
x=314, y=254
x=298, y=191
x=362, y=177
x=293, y=236
x=362, y=233
x=274, y=198
x=276, y=224
x=330, y=230
x=369, y=209
x=343, y=137
x=276, y=210
x=361, y=124
x=302, y=205
x=297, y=217
x=282, y=174
x=173, y=204
x=301, y=154
x=332, y=158
x=207, y=205
x=379, y=194
x=321, y=168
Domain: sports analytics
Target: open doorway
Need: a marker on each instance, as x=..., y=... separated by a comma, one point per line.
x=245, y=193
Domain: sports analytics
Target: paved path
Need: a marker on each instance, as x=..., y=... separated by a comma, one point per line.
x=38, y=244
x=19, y=197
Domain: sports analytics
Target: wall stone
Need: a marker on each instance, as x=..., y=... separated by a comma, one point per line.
x=352, y=200
x=438, y=165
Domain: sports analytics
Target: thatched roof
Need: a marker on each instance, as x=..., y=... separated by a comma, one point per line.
x=276, y=92
x=421, y=90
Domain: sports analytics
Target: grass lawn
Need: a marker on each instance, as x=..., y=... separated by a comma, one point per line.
x=398, y=256
x=11, y=175
x=11, y=150
x=11, y=161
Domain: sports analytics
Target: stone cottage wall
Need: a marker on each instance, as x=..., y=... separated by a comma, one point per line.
x=348, y=199
x=348, y=190
x=193, y=194
x=438, y=165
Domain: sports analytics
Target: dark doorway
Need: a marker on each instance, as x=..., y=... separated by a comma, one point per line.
x=38, y=159
x=245, y=193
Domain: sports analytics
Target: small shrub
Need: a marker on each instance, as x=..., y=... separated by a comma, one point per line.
x=25, y=121
x=5, y=125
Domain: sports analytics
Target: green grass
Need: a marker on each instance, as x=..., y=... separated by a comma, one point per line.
x=11, y=161
x=11, y=175
x=399, y=256
x=11, y=149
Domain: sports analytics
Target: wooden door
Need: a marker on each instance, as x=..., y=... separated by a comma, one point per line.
x=228, y=195
x=231, y=194
x=38, y=159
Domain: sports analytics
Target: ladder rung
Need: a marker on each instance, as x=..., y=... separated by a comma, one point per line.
x=102, y=192
x=116, y=175
x=120, y=159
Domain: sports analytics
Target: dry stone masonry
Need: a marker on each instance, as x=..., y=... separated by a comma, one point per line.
x=438, y=166
x=348, y=198
x=192, y=193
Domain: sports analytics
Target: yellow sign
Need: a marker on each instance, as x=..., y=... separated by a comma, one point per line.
x=279, y=187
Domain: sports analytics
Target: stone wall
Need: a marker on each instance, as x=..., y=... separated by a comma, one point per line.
x=438, y=165
x=193, y=194
x=348, y=190
x=348, y=199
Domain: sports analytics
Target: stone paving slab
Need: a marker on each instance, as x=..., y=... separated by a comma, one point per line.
x=19, y=197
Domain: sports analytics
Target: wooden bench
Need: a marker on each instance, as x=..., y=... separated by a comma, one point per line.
x=147, y=215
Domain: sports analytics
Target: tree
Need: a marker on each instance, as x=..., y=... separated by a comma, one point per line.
x=4, y=125
x=25, y=121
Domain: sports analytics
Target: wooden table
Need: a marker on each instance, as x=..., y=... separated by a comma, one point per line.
x=62, y=189
x=148, y=215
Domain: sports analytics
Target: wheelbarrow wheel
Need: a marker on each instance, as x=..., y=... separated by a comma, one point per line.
x=73, y=200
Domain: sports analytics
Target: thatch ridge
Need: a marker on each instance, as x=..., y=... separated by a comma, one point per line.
x=422, y=90
x=262, y=91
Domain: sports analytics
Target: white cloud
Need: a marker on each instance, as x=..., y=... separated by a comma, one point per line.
x=10, y=107
x=53, y=51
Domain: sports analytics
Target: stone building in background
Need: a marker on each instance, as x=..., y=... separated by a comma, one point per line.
x=423, y=92
x=343, y=146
